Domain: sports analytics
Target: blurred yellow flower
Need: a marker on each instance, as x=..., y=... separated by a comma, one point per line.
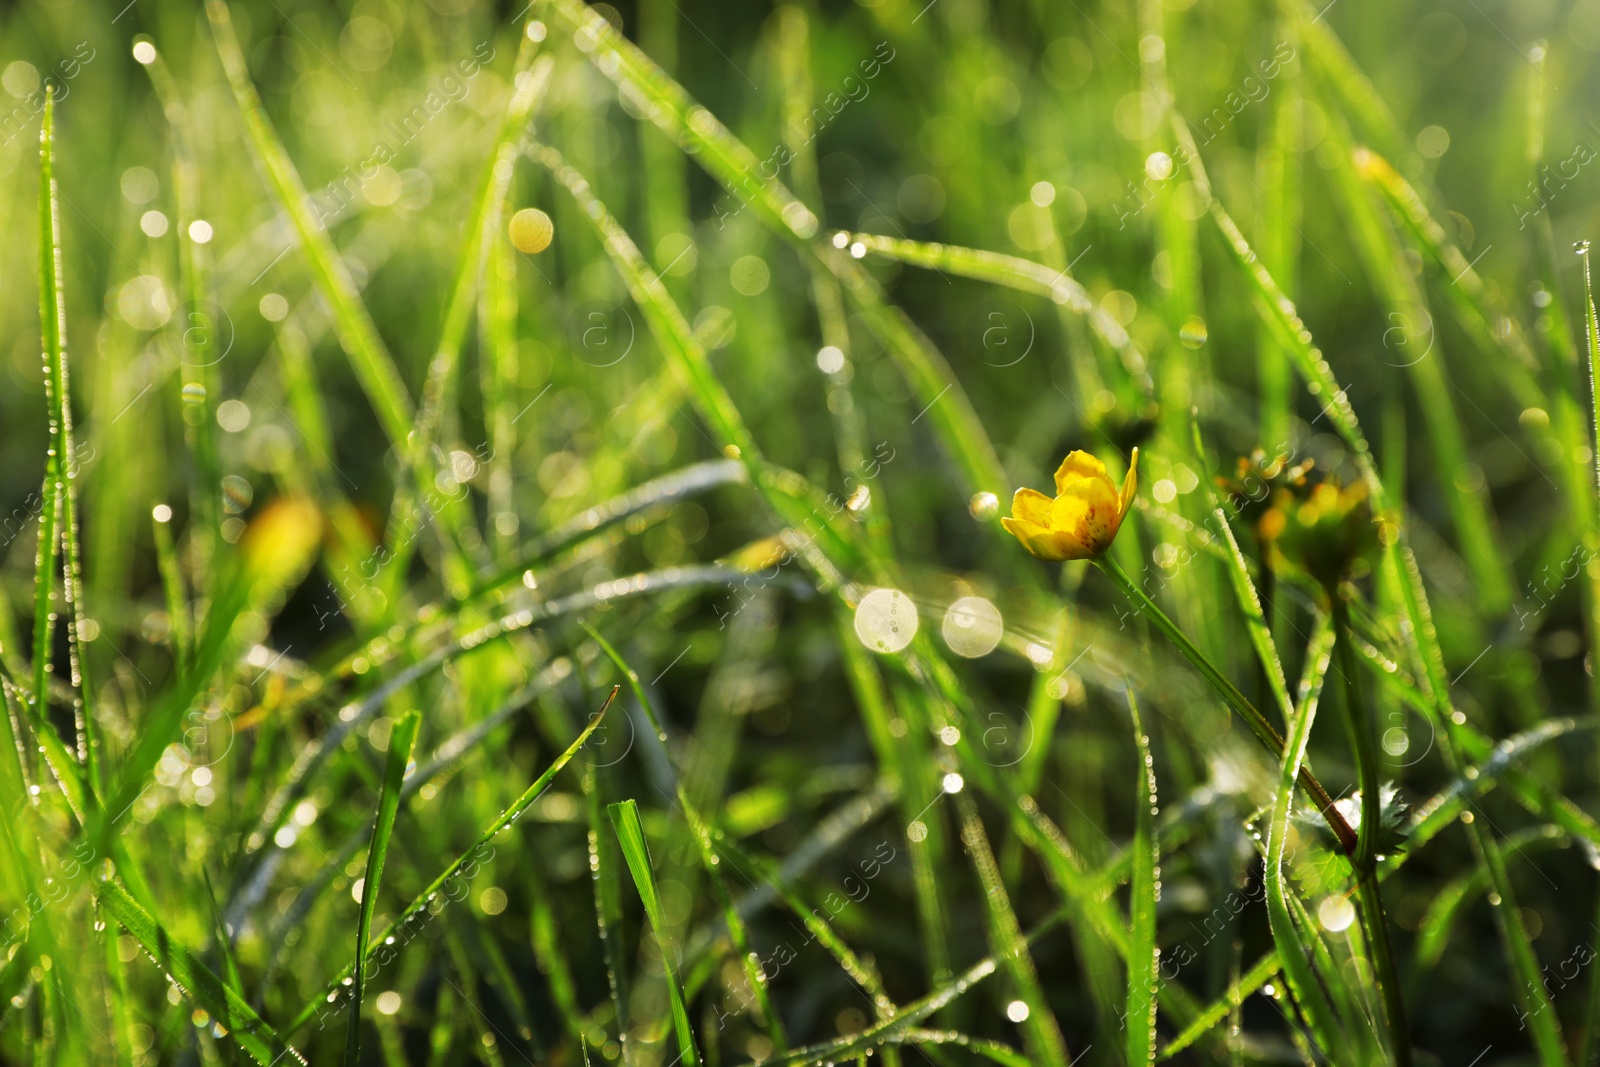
x=1085, y=515
x=759, y=555
x=280, y=542
x=1326, y=532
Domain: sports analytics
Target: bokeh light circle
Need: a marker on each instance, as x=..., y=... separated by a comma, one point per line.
x=886, y=620
x=972, y=627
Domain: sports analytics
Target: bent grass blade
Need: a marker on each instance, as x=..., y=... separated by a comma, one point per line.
x=636, y=853
x=401, y=740
x=506, y=818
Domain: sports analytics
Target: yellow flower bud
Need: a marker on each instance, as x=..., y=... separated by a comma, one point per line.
x=1322, y=531
x=1085, y=515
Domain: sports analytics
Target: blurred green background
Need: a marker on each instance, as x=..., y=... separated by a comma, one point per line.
x=208, y=376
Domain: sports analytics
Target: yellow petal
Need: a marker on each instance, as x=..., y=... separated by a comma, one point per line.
x=1073, y=547
x=1077, y=466
x=1130, y=483
x=1030, y=505
x=1089, y=512
x=1044, y=543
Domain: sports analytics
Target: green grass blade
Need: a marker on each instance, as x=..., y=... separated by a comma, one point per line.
x=1496, y=334
x=172, y=586
x=1244, y=589
x=1281, y=317
x=359, y=336
x=702, y=832
x=604, y=864
x=1041, y=1032
x=954, y=419
x=401, y=740
x=793, y=44
x=666, y=179
x=831, y=543
x=1179, y=373
x=1434, y=929
x=1218, y=1010
x=56, y=515
x=1280, y=174
x=876, y=1036
x=313, y=759
x=447, y=758
x=636, y=853
x=728, y=160
x=1362, y=732
x=897, y=762
x=64, y=767
x=1085, y=899
x=1528, y=988
x=1270, y=739
x=1144, y=956
x=530, y=84
x=642, y=501
x=226, y=1008
x=439, y=387
x=1304, y=984
x=1591, y=333
x=1355, y=90
x=671, y=108
x=468, y=984
x=672, y=331
x=198, y=395
x=861, y=971
x=910, y=1015
x=1012, y=272
x=1447, y=805
x=224, y=943
x=549, y=953
x=994, y=1051
x=1405, y=308
x=1589, y=1042
x=275, y=551
x=1280, y=314
x=506, y=818
x=497, y=378
x=15, y=781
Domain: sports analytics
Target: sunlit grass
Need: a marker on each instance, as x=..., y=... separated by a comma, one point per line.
x=504, y=556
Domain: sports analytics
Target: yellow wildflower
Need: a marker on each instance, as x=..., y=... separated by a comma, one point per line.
x=1085, y=515
x=1324, y=532
x=281, y=542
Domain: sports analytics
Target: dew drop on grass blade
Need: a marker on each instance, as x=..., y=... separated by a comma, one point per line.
x=401, y=740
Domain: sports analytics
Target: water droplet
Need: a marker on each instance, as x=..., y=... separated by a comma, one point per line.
x=1336, y=914
x=983, y=506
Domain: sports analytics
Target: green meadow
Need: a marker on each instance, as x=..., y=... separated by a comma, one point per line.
x=680, y=533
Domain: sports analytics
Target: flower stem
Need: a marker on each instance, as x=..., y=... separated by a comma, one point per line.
x=1362, y=743
x=1364, y=860
x=1269, y=737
